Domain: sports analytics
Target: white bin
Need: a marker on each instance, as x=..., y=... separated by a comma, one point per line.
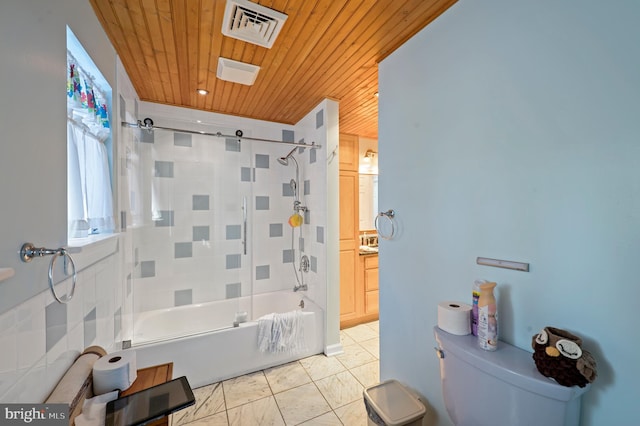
x=391, y=404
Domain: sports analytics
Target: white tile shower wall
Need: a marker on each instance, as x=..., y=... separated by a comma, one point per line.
x=313, y=129
x=129, y=205
x=189, y=179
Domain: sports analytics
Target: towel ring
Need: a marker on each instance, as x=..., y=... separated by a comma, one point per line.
x=389, y=215
x=29, y=251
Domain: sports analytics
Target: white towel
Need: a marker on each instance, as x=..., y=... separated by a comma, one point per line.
x=281, y=333
x=94, y=410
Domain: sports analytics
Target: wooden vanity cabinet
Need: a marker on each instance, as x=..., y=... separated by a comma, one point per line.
x=358, y=273
x=351, y=303
x=370, y=277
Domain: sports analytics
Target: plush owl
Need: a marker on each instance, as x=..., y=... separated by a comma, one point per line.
x=558, y=354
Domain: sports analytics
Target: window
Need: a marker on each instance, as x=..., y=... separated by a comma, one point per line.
x=89, y=144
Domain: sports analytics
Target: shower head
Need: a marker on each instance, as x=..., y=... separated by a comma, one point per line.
x=285, y=160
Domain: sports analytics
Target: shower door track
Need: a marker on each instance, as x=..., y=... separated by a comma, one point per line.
x=149, y=126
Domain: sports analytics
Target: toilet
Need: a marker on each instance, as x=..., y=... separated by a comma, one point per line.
x=500, y=388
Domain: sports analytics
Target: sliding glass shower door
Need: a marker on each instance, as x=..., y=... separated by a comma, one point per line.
x=191, y=202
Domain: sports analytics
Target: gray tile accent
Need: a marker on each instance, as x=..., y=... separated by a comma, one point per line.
x=146, y=136
x=287, y=256
x=307, y=217
x=288, y=136
x=287, y=191
x=262, y=202
x=123, y=220
x=166, y=218
x=262, y=272
x=245, y=174
x=313, y=264
x=312, y=156
x=117, y=323
x=275, y=230
x=56, y=323
x=231, y=145
x=307, y=187
x=182, y=139
x=136, y=256
x=200, y=202
x=90, y=328
x=129, y=284
x=233, y=232
x=147, y=268
x=164, y=169
x=234, y=261
x=200, y=233
x=301, y=244
x=262, y=161
x=182, y=297
x=182, y=250
x=132, y=200
x=123, y=108
x=320, y=234
x=233, y=290
x=319, y=119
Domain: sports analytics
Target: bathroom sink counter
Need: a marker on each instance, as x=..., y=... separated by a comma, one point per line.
x=367, y=250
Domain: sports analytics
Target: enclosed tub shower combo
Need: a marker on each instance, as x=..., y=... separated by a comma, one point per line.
x=221, y=236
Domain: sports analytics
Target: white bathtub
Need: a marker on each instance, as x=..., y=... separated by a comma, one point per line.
x=207, y=357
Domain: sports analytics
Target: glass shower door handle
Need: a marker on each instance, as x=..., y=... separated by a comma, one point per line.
x=244, y=225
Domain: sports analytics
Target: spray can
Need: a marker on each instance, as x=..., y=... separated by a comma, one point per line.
x=474, y=306
x=487, y=317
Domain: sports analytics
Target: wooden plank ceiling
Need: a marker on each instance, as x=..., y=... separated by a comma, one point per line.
x=326, y=49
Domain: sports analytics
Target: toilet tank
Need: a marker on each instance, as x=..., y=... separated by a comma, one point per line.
x=502, y=387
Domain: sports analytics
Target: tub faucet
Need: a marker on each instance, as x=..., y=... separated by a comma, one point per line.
x=299, y=287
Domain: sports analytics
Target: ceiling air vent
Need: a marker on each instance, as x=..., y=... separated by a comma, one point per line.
x=237, y=72
x=252, y=23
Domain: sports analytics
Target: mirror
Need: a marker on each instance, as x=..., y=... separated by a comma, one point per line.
x=368, y=201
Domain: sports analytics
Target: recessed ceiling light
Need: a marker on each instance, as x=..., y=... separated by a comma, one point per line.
x=376, y=94
x=203, y=92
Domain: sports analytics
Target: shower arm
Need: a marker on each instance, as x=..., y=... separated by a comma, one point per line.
x=149, y=126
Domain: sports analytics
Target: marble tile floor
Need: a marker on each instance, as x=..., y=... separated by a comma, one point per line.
x=314, y=391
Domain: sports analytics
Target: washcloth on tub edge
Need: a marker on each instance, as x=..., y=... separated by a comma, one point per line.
x=281, y=332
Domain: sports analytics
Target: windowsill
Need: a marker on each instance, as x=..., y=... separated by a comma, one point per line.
x=92, y=249
x=6, y=273
x=76, y=245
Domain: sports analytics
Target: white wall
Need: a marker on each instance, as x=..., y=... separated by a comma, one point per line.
x=32, y=119
x=39, y=336
x=510, y=130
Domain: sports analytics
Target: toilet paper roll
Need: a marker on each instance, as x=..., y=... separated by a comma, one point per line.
x=114, y=371
x=454, y=317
